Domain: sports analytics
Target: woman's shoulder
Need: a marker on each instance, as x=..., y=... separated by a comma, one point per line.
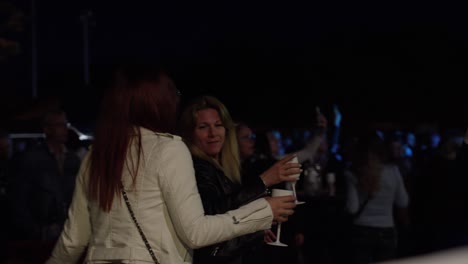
x=203, y=164
x=160, y=135
x=198, y=160
x=206, y=169
x=165, y=145
x=391, y=168
x=165, y=139
x=169, y=136
x=391, y=172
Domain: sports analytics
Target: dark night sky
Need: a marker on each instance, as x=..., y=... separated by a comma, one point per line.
x=381, y=60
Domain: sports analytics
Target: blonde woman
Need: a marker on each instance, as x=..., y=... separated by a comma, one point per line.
x=210, y=134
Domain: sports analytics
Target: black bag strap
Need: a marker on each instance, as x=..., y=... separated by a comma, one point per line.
x=361, y=207
x=148, y=246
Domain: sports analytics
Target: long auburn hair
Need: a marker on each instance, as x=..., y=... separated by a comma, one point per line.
x=229, y=157
x=368, y=159
x=139, y=96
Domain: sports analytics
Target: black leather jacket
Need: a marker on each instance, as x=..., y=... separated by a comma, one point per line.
x=219, y=194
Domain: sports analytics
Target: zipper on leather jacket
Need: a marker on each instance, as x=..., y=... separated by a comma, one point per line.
x=215, y=251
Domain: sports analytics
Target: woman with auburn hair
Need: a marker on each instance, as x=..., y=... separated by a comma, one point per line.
x=136, y=198
x=210, y=134
x=374, y=189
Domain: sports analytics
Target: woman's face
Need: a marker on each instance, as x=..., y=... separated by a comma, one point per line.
x=246, y=141
x=209, y=133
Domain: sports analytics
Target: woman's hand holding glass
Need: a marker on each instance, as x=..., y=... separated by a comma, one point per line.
x=281, y=171
x=282, y=207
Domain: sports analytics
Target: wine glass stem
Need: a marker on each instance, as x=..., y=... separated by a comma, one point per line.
x=278, y=233
x=294, y=190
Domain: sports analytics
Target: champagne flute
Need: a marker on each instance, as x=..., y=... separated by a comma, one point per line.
x=277, y=193
x=293, y=184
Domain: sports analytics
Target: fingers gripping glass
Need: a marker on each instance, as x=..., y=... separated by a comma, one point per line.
x=293, y=184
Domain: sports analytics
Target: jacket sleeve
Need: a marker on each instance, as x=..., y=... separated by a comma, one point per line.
x=252, y=188
x=76, y=233
x=179, y=190
x=211, y=183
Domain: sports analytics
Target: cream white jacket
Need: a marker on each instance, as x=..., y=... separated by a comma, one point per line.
x=167, y=206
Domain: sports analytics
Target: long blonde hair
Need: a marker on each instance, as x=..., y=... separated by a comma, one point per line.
x=229, y=156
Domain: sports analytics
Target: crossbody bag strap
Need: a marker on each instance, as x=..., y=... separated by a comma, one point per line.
x=361, y=208
x=132, y=214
